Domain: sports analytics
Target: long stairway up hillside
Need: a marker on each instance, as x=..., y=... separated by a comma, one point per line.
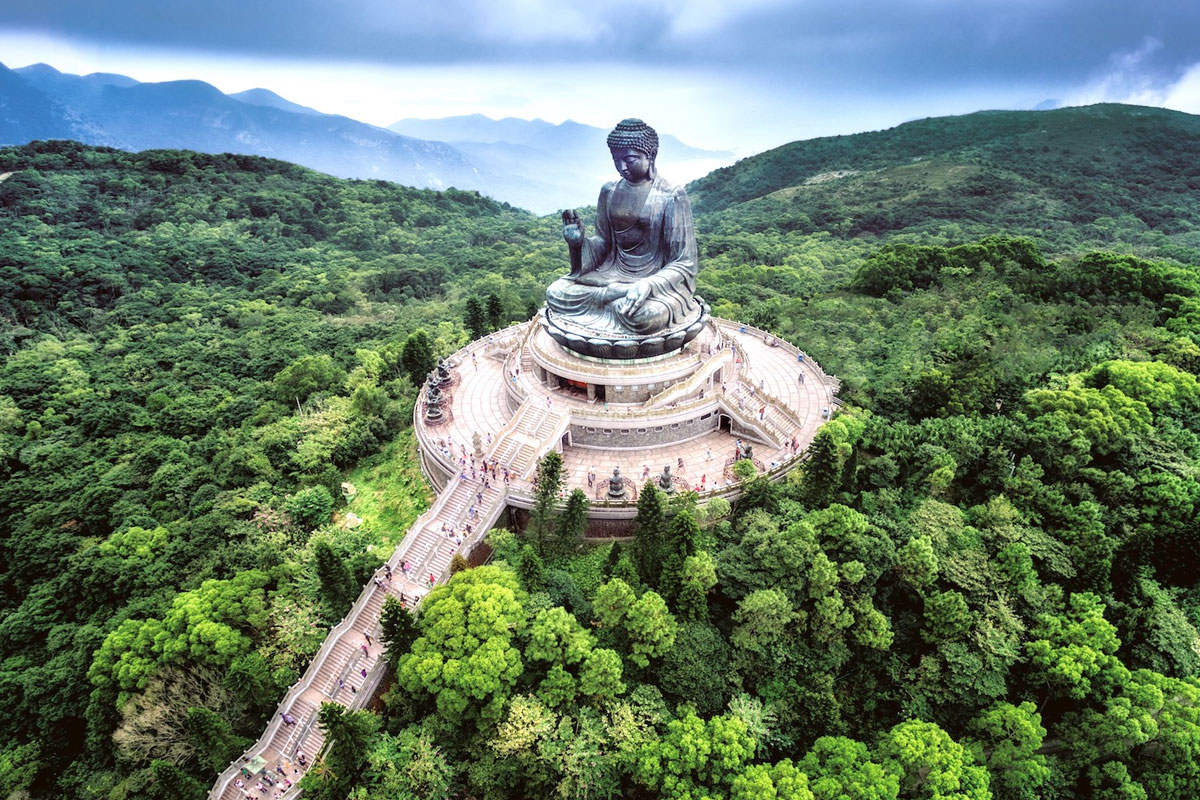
x=462, y=513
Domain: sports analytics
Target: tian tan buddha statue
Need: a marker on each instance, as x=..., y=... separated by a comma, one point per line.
x=631, y=289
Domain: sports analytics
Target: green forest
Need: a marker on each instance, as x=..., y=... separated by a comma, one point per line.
x=981, y=584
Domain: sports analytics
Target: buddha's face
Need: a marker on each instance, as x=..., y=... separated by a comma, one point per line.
x=633, y=165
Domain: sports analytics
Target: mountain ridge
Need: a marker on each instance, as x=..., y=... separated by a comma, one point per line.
x=40, y=102
x=190, y=114
x=573, y=157
x=268, y=99
x=1072, y=179
x=790, y=164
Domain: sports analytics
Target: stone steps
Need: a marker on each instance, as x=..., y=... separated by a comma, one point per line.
x=429, y=551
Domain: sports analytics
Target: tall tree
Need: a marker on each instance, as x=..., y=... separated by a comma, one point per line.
x=311, y=507
x=572, y=523
x=545, y=500
x=214, y=740
x=600, y=677
x=695, y=757
x=532, y=570
x=418, y=357
x=697, y=577
x=682, y=534
x=337, y=584
x=557, y=637
x=408, y=765
x=614, y=555
x=474, y=318
x=822, y=471
x=465, y=655
x=399, y=629
x=648, y=528
x=838, y=767
x=304, y=376
x=1008, y=740
x=612, y=602
x=352, y=734
x=495, y=311
x=651, y=629
x=930, y=764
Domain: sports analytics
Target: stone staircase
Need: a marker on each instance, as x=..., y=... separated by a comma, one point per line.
x=427, y=549
x=341, y=658
x=509, y=447
x=769, y=429
x=694, y=383
x=531, y=432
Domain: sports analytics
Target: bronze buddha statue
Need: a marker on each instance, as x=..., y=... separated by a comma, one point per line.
x=631, y=288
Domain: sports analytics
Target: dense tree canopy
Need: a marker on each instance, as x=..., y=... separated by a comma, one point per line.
x=981, y=584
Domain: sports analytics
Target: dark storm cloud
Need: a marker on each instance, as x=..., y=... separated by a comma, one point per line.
x=899, y=44
x=883, y=42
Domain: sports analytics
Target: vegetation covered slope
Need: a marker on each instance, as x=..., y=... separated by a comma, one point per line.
x=982, y=586
x=196, y=349
x=1071, y=177
x=983, y=583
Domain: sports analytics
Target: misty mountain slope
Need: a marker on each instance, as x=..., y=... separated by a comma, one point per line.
x=545, y=167
x=531, y=164
x=114, y=111
x=27, y=113
x=268, y=99
x=539, y=134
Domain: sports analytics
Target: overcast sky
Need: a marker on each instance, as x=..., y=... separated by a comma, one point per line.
x=742, y=75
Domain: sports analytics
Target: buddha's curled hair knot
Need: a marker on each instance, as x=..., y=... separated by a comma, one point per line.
x=635, y=134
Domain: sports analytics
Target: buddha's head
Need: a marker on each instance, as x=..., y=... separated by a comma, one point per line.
x=633, y=145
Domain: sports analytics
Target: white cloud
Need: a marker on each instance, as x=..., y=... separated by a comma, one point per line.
x=22, y=49
x=1127, y=79
x=700, y=18
x=1185, y=94
x=524, y=22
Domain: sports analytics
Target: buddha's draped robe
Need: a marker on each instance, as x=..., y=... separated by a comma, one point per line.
x=659, y=245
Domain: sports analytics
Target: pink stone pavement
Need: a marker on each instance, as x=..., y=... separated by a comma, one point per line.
x=479, y=407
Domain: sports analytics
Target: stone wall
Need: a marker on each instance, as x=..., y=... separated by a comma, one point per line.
x=518, y=520
x=635, y=393
x=647, y=435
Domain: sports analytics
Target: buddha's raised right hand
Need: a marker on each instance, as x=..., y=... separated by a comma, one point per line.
x=573, y=230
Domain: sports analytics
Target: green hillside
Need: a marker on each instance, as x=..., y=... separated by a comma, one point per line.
x=197, y=349
x=1072, y=177
x=982, y=585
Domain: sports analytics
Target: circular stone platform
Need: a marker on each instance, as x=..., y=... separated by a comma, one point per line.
x=523, y=393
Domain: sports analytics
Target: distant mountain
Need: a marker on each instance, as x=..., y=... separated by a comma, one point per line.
x=571, y=159
x=535, y=133
x=39, y=102
x=268, y=99
x=530, y=164
x=27, y=113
